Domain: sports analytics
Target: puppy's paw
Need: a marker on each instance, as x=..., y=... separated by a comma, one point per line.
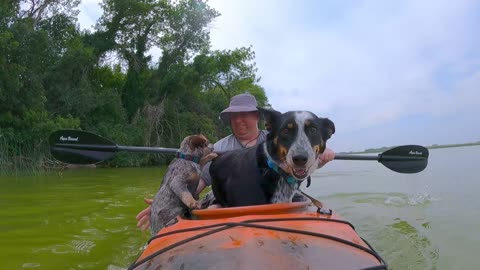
x=195, y=205
x=208, y=158
x=214, y=206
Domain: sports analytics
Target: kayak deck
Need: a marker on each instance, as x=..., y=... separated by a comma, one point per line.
x=279, y=236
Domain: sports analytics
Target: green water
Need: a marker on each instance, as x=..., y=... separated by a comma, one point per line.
x=427, y=220
x=81, y=219
x=85, y=219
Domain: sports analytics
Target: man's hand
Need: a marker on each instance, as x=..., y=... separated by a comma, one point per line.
x=327, y=156
x=143, y=217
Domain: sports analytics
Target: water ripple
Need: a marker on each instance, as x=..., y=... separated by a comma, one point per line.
x=389, y=199
x=82, y=246
x=30, y=265
x=88, y=265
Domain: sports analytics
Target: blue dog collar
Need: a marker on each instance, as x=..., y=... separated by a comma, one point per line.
x=191, y=158
x=290, y=179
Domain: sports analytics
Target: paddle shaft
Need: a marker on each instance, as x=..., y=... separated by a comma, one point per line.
x=116, y=148
x=142, y=149
x=378, y=157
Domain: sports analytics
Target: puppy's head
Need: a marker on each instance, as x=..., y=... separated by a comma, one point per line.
x=196, y=145
x=296, y=139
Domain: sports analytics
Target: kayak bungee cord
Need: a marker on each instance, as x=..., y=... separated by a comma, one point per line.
x=250, y=223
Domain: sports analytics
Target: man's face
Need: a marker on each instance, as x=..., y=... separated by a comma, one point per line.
x=244, y=123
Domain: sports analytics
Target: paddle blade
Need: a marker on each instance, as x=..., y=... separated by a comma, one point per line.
x=405, y=159
x=80, y=147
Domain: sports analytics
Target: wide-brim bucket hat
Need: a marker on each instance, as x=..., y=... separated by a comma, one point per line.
x=239, y=103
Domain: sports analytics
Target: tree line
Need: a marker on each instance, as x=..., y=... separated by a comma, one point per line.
x=53, y=75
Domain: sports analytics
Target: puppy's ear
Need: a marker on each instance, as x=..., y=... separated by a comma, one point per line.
x=328, y=128
x=198, y=141
x=270, y=116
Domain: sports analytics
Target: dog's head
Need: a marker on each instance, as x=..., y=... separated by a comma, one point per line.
x=296, y=139
x=196, y=145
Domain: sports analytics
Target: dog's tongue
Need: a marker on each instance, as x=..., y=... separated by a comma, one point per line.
x=300, y=172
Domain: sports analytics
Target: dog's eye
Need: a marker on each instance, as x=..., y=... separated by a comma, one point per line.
x=284, y=131
x=313, y=130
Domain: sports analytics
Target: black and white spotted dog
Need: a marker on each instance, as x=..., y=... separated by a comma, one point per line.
x=272, y=171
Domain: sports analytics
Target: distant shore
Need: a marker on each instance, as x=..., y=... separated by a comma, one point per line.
x=434, y=146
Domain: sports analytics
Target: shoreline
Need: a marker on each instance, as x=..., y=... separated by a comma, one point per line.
x=434, y=146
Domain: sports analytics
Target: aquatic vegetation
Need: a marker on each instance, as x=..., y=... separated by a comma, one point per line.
x=414, y=244
x=18, y=158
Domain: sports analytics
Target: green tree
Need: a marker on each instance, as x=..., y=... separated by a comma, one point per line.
x=26, y=50
x=52, y=75
x=178, y=28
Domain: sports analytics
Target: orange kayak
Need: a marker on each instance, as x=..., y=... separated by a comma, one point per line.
x=275, y=236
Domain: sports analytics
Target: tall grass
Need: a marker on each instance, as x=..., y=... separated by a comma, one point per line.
x=24, y=159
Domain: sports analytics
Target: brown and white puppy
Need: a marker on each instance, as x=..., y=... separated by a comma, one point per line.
x=272, y=171
x=177, y=191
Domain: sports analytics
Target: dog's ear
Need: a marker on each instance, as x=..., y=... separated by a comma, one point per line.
x=270, y=116
x=198, y=141
x=328, y=128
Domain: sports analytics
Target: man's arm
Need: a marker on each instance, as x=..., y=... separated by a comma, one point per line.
x=201, y=186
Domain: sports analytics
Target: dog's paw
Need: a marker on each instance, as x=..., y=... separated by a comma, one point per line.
x=195, y=205
x=208, y=158
x=214, y=206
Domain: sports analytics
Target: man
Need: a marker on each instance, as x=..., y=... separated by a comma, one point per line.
x=243, y=117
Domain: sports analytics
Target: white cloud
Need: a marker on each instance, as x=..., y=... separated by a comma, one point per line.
x=90, y=11
x=375, y=65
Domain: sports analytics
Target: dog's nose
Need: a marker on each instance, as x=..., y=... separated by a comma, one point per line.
x=300, y=160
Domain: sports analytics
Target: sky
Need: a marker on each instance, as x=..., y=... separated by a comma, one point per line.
x=385, y=72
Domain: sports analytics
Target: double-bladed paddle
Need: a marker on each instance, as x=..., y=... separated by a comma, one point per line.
x=81, y=147
x=402, y=159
